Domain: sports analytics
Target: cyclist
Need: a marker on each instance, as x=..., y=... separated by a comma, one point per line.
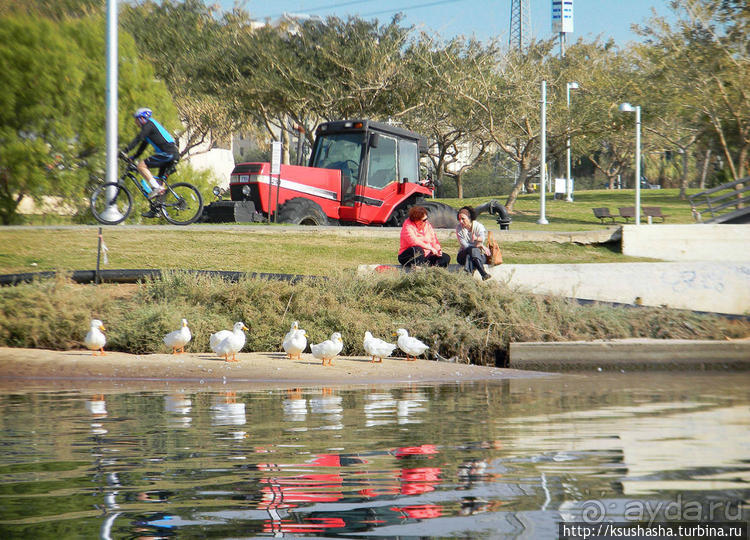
x=167, y=153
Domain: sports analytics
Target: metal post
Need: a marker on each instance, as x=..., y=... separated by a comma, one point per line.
x=276, y=150
x=568, y=180
x=638, y=165
x=278, y=188
x=98, y=257
x=270, y=193
x=111, y=123
x=111, y=212
x=543, y=159
x=627, y=107
x=562, y=44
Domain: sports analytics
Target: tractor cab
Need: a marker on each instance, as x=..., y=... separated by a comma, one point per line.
x=379, y=166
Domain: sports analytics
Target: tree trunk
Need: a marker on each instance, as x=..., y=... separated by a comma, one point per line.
x=725, y=147
x=522, y=175
x=439, y=183
x=611, y=178
x=741, y=172
x=684, y=179
x=459, y=186
x=285, y=156
x=705, y=169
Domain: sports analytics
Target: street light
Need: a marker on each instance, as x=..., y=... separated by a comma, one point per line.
x=627, y=107
x=111, y=213
x=568, y=181
x=543, y=159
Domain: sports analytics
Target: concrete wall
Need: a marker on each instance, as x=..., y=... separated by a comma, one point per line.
x=633, y=353
x=219, y=161
x=720, y=287
x=696, y=242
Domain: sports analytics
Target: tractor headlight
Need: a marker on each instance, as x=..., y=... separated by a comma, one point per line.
x=217, y=191
x=246, y=190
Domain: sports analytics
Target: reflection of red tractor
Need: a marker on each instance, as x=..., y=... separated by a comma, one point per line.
x=360, y=172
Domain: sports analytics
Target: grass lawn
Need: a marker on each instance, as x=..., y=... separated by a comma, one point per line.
x=260, y=248
x=578, y=216
x=245, y=249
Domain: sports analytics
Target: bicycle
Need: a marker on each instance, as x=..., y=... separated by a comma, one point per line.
x=112, y=202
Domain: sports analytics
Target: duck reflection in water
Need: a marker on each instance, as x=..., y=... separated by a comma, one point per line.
x=178, y=406
x=227, y=411
x=109, y=489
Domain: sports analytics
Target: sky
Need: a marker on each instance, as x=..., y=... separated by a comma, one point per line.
x=483, y=19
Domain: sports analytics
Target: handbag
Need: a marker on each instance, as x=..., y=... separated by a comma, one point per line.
x=496, y=256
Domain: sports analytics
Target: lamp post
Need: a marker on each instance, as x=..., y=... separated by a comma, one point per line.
x=568, y=181
x=543, y=159
x=111, y=212
x=627, y=107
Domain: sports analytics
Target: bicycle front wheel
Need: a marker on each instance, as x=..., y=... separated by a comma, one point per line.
x=182, y=204
x=111, y=203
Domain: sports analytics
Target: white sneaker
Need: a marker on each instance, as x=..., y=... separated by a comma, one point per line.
x=157, y=192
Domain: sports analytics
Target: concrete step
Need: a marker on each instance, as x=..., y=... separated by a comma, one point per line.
x=631, y=354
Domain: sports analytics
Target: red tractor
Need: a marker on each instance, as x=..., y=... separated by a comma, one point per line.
x=361, y=173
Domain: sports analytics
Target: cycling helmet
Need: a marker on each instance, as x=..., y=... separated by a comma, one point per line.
x=143, y=112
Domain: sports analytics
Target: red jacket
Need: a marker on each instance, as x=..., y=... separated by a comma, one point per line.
x=424, y=237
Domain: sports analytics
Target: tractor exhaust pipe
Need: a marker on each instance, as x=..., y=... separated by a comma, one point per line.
x=495, y=208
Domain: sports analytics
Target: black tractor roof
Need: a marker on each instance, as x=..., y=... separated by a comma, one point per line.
x=342, y=126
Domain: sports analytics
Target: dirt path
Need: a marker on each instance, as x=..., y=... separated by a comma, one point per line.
x=37, y=367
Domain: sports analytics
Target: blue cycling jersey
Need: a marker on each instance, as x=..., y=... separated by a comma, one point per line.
x=153, y=133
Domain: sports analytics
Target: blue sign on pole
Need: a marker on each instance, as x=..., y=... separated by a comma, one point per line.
x=562, y=16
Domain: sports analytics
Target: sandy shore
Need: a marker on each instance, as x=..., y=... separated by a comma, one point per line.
x=21, y=368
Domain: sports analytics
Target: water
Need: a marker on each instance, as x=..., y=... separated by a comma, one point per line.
x=508, y=459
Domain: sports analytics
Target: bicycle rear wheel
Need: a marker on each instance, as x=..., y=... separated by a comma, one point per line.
x=111, y=203
x=182, y=204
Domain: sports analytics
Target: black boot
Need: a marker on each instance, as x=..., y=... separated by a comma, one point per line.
x=152, y=213
x=482, y=272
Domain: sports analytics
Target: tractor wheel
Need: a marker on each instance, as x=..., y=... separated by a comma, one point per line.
x=441, y=215
x=399, y=215
x=300, y=211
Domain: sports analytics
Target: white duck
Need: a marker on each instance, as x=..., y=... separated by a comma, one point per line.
x=410, y=345
x=226, y=342
x=295, y=341
x=328, y=350
x=377, y=348
x=95, y=339
x=179, y=338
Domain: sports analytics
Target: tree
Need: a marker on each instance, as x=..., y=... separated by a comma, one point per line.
x=184, y=40
x=57, y=10
x=301, y=72
x=504, y=92
x=457, y=143
x=52, y=106
x=607, y=76
x=708, y=57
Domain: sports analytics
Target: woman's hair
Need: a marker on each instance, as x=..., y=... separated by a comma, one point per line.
x=417, y=213
x=469, y=211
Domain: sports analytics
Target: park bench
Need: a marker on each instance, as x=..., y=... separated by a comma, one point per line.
x=654, y=212
x=603, y=213
x=627, y=212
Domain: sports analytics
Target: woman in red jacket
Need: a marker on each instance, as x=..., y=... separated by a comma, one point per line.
x=419, y=245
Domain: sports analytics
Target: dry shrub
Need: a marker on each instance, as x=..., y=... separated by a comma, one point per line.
x=457, y=316
x=52, y=314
